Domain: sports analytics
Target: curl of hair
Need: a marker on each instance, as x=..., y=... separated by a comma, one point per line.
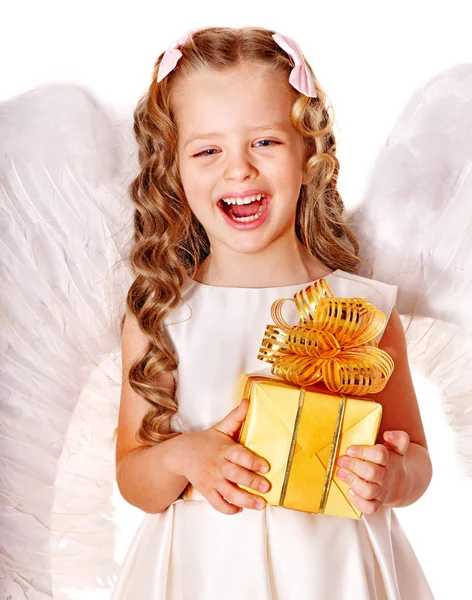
x=169, y=244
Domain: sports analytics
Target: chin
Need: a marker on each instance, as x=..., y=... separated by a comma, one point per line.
x=244, y=243
x=252, y=240
x=249, y=248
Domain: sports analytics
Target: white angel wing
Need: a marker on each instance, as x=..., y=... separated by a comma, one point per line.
x=66, y=164
x=415, y=229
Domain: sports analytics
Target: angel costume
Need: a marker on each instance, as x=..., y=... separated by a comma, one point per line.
x=66, y=222
x=193, y=551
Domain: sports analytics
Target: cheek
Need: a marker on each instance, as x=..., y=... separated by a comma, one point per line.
x=289, y=169
x=291, y=179
x=197, y=187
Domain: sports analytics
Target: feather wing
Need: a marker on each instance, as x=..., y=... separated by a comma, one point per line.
x=66, y=164
x=415, y=229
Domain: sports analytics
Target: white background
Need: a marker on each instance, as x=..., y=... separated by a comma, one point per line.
x=369, y=56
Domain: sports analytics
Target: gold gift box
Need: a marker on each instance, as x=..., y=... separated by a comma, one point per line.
x=301, y=433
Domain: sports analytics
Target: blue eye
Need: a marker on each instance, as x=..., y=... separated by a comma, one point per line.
x=270, y=142
x=206, y=152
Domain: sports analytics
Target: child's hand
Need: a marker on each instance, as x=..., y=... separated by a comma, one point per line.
x=215, y=463
x=376, y=473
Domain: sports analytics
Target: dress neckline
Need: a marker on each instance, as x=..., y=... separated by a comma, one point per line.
x=255, y=289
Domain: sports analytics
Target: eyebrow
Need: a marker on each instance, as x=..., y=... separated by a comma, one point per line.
x=203, y=136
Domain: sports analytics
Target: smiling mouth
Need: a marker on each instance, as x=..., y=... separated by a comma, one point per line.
x=244, y=210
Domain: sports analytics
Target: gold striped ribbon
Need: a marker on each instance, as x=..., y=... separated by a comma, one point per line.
x=332, y=457
x=334, y=342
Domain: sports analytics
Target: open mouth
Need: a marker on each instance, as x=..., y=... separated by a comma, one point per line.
x=244, y=210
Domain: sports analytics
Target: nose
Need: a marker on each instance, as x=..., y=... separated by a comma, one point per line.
x=239, y=166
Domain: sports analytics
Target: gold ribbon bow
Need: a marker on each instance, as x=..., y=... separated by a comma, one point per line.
x=334, y=342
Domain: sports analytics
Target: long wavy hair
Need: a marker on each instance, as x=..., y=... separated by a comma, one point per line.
x=169, y=244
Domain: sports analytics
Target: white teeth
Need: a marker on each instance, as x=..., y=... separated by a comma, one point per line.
x=246, y=219
x=251, y=218
x=245, y=200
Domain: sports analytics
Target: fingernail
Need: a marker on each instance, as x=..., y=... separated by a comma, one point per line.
x=264, y=487
x=343, y=462
x=260, y=505
x=389, y=436
x=264, y=469
x=351, y=492
x=342, y=474
x=351, y=451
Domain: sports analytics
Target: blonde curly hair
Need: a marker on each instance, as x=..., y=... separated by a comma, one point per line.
x=169, y=244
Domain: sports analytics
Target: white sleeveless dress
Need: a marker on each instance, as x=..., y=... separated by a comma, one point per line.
x=193, y=552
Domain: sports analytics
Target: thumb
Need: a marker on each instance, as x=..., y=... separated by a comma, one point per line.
x=398, y=441
x=233, y=420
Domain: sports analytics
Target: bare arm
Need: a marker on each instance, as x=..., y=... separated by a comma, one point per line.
x=397, y=470
x=153, y=477
x=146, y=478
x=401, y=414
x=145, y=474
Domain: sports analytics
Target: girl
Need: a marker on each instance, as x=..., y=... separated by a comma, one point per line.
x=236, y=206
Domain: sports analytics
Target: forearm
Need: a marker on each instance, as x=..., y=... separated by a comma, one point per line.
x=414, y=479
x=150, y=477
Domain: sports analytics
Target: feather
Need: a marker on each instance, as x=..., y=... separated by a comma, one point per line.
x=415, y=228
x=65, y=221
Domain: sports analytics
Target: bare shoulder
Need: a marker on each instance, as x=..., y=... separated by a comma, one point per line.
x=133, y=407
x=398, y=398
x=393, y=339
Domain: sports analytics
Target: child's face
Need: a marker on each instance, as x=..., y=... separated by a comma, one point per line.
x=250, y=146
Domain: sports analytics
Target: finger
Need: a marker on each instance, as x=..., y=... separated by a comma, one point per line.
x=220, y=504
x=240, y=455
x=365, y=489
x=375, y=454
x=240, y=497
x=233, y=420
x=237, y=474
x=398, y=441
x=368, y=507
x=367, y=470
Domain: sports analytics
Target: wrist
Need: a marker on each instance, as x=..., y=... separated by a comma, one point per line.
x=176, y=458
x=397, y=490
x=411, y=475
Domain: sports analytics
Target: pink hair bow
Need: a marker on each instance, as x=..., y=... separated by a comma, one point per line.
x=300, y=76
x=171, y=57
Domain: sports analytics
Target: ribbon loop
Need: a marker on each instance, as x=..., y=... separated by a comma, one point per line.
x=334, y=342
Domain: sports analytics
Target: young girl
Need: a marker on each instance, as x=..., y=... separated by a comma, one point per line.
x=236, y=206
